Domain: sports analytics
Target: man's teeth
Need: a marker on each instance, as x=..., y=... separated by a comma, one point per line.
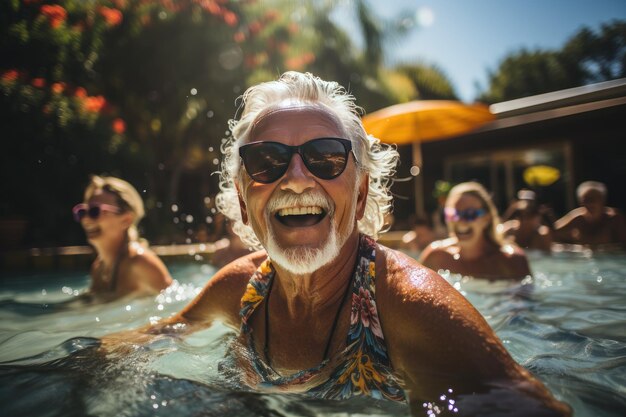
x=299, y=211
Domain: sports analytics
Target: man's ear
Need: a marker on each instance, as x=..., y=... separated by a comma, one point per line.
x=361, y=201
x=242, y=206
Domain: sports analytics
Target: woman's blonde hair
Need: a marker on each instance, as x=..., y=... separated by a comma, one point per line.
x=128, y=199
x=477, y=190
x=374, y=158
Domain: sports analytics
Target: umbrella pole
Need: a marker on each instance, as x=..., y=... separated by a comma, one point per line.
x=419, y=180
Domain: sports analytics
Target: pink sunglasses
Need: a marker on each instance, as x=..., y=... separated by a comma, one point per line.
x=93, y=210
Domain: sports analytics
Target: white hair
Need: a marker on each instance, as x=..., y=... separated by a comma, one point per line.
x=374, y=158
x=587, y=186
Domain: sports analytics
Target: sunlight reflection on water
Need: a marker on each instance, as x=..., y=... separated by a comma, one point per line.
x=566, y=325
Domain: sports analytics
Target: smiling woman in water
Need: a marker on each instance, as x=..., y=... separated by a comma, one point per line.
x=475, y=247
x=111, y=210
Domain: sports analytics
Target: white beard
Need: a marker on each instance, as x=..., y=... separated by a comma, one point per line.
x=302, y=260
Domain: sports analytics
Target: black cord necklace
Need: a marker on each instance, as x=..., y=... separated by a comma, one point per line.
x=332, y=330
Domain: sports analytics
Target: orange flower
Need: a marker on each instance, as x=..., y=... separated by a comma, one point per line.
x=271, y=15
x=230, y=18
x=211, y=7
x=58, y=88
x=119, y=126
x=300, y=62
x=94, y=104
x=113, y=17
x=239, y=37
x=54, y=13
x=80, y=92
x=38, y=82
x=255, y=27
x=10, y=75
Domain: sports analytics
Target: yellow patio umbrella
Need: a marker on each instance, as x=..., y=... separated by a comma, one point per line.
x=422, y=121
x=425, y=120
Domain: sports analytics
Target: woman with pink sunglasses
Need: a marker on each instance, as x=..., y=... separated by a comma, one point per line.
x=111, y=210
x=475, y=246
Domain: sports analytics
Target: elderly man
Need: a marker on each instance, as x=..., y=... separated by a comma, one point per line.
x=322, y=309
x=592, y=223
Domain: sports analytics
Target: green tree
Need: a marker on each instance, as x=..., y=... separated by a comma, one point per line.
x=430, y=82
x=587, y=57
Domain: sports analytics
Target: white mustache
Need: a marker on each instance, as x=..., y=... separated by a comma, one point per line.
x=284, y=200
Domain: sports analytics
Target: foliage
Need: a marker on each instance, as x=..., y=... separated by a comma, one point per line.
x=430, y=82
x=587, y=57
x=139, y=89
x=144, y=90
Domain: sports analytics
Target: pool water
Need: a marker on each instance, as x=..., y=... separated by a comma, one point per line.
x=567, y=325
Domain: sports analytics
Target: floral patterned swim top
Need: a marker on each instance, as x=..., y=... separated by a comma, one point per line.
x=363, y=368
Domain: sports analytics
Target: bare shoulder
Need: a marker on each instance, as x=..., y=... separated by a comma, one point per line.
x=406, y=283
x=147, y=270
x=221, y=296
x=518, y=266
x=430, y=327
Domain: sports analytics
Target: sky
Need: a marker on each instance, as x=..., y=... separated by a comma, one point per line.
x=467, y=38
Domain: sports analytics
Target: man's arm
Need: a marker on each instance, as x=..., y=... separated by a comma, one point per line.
x=564, y=226
x=219, y=300
x=438, y=341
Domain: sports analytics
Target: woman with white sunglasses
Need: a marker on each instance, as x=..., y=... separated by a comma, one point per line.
x=124, y=265
x=475, y=246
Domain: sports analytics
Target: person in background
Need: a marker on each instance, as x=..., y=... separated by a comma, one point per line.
x=476, y=247
x=321, y=309
x=124, y=265
x=592, y=223
x=524, y=222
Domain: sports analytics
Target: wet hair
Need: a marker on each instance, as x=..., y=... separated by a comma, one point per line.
x=128, y=199
x=477, y=190
x=587, y=186
x=373, y=158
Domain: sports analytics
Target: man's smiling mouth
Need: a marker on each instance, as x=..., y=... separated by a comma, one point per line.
x=300, y=216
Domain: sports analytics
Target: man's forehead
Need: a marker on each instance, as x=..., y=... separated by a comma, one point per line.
x=316, y=113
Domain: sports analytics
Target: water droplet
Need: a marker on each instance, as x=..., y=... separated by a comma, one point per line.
x=174, y=208
x=44, y=292
x=193, y=91
x=599, y=279
x=128, y=308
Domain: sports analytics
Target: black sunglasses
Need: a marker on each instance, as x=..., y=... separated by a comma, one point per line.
x=265, y=162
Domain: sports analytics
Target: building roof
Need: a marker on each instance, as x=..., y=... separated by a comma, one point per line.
x=592, y=93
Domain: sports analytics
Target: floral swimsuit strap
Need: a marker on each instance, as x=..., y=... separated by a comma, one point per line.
x=364, y=368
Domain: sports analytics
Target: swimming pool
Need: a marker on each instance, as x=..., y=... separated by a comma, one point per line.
x=567, y=325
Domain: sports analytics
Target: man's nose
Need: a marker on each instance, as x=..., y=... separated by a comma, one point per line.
x=297, y=178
